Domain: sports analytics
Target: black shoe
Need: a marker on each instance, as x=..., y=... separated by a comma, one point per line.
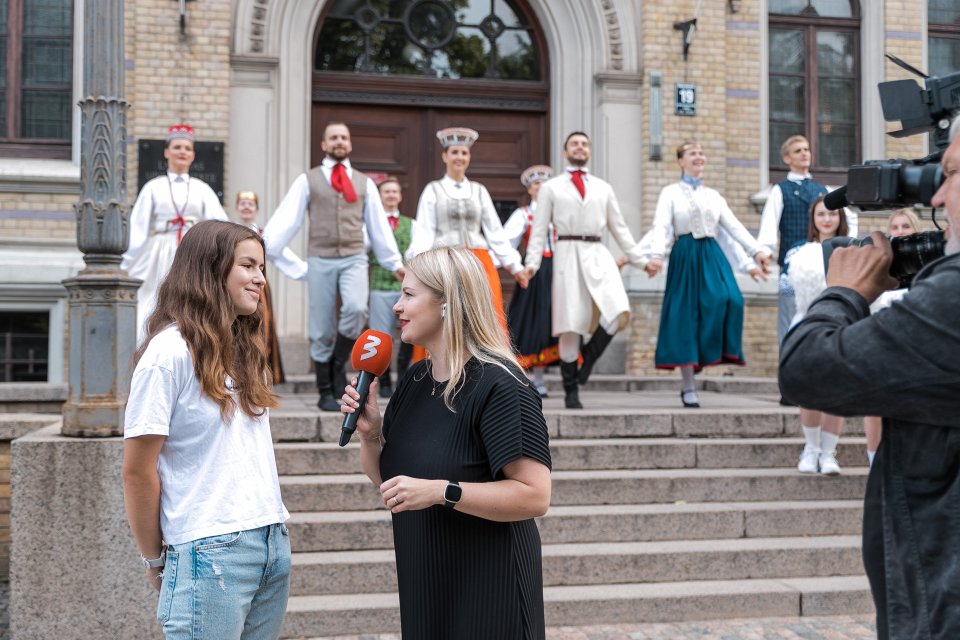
x=328, y=401
x=688, y=405
x=571, y=397
x=591, y=352
x=341, y=357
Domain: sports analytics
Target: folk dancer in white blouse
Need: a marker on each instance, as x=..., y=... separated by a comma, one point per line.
x=165, y=209
x=589, y=299
x=344, y=208
x=701, y=322
x=457, y=212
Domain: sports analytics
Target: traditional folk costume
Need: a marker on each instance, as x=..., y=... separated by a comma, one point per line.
x=784, y=222
x=461, y=214
x=165, y=209
x=384, y=293
x=589, y=298
x=341, y=205
x=701, y=322
x=529, y=314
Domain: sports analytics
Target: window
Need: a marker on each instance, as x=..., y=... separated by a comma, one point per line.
x=36, y=77
x=943, y=47
x=814, y=85
x=433, y=38
x=23, y=346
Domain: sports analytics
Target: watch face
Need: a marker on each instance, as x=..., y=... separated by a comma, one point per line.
x=452, y=493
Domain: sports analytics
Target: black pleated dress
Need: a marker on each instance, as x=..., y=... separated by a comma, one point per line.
x=462, y=577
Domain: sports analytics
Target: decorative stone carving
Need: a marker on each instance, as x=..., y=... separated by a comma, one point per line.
x=614, y=37
x=258, y=25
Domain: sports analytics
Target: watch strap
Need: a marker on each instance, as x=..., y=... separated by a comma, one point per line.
x=154, y=563
x=452, y=494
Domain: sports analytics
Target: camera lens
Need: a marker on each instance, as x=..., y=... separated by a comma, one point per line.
x=912, y=253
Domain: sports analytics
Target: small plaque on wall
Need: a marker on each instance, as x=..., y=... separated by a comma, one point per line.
x=207, y=166
x=686, y=99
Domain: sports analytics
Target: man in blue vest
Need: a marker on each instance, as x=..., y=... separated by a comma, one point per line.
x=786, y=217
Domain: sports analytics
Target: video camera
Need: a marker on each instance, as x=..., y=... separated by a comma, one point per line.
x=878, y=185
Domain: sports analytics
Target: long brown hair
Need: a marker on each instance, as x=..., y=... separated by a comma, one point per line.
x=194, y=297
x=813, y=234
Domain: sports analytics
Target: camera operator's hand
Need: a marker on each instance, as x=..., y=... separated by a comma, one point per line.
x=865, y=269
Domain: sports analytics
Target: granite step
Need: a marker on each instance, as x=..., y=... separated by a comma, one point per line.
x=731, y=422
x=354, y=492
x=370, y=571
x=304, y=458
x=315, y=615
x=358, y=530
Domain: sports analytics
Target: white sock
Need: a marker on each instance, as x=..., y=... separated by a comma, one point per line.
x=812, y=437
x=828, y=441
x=686, y=377
x=870, y=456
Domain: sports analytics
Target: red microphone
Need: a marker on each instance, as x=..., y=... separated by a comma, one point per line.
x=371, y=357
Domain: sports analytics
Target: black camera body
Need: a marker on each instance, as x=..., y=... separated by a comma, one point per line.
x=910, y=253
x=877, y=185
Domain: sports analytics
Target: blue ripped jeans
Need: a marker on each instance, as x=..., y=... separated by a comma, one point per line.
x=232, y=586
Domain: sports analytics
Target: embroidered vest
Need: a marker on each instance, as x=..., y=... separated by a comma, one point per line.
x=795, y=219
x=336, y=226
x=380, y=278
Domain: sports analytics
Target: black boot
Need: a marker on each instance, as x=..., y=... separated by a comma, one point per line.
x=386, y=386
x=571, y=398
x=591, y=352
x=328, y=401
x=341, y=357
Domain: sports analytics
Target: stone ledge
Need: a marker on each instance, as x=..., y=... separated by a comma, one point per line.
x=32, y=392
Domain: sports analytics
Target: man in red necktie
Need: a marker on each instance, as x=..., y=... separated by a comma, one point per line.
x=341, y=204
x=589, y=300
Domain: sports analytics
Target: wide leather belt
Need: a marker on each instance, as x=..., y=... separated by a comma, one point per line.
x=581, y=238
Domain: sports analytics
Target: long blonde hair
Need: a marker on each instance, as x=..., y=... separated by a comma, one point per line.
x=470, y=325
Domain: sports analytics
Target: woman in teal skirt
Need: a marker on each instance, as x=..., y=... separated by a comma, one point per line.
x=701, y=322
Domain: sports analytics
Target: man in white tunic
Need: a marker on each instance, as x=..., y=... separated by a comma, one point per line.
x=165, y=209
x=342, y=206
x=589, y=298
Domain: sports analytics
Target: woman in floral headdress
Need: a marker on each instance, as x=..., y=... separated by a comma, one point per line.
x=166, y=208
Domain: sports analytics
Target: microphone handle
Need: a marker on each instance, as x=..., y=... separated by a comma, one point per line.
x=836, y=199
x=350, y=420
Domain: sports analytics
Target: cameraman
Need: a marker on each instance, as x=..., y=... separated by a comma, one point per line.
x=904, y=364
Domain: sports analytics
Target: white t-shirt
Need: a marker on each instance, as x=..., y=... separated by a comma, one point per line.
x=215, y=477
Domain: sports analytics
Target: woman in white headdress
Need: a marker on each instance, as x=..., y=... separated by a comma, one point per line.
x=457, y=212
x=166, y=208
x=529, y=314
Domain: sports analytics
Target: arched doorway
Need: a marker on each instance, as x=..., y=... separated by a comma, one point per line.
x=396, y=71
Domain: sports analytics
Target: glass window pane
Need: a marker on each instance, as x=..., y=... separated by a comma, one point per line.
x=517, y=57
x=836, y=100
x=837, y=148
x=45, y=114
x=3, y=66
x=780, y=131
x=943, y=12
x=345, y=8
x=467, y=54
x=3, y=113
x=393, y=53
x=46, y=62
x=472, y=11
x=836, y=55
x=3, y=17
x=786, y=98
x=790, y=7
x=944, y=56
x=340, y=46
x=507, y=13
x=833, y=8
x=47, y=17
x=787, y=51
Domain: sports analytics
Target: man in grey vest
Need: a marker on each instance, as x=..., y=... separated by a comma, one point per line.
x=341, y=205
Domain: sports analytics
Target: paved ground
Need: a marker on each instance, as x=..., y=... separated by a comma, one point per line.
x=827, y=628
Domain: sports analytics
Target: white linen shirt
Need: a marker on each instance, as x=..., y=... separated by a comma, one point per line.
x=424, y=230
x=769, y=235
x=292, y=211
x=154, y=208
x=215, y=477
x=287, y=263
x=674, y=218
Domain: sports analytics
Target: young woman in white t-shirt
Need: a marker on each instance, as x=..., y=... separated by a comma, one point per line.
x=200, y=478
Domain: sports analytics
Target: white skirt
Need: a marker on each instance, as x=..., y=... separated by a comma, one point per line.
x=152, y=266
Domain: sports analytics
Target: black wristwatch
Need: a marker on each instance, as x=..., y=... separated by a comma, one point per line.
x=451, y=494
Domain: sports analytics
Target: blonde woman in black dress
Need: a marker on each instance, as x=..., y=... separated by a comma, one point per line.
x=462, y=460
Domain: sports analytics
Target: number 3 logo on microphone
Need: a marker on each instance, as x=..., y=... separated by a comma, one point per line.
x=370, y=347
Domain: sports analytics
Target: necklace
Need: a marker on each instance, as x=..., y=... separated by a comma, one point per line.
x=428, y=372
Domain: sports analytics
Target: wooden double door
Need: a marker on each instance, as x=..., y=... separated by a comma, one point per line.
x=400, y=140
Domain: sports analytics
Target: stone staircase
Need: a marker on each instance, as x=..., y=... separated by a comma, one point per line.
x=658, y=513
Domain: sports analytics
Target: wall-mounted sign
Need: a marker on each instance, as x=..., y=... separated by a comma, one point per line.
x=686, y=99
x=207, y=166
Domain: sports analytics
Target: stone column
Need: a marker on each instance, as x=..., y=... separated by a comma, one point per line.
x=102, y=299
